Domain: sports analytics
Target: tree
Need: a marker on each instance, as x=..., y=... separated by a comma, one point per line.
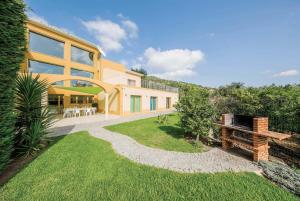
x=195, y=110
x=140, y=70
x=33, y=117
x=12, y=50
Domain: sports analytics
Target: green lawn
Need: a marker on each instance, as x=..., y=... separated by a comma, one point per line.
x=150, y=133
x=81, y=167
x=89, y=90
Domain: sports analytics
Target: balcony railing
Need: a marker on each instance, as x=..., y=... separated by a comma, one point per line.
x=154, y=85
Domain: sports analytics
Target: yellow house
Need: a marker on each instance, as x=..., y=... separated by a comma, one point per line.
x=79, y=76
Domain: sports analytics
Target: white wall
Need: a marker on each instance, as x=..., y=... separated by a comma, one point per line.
x=117, y=77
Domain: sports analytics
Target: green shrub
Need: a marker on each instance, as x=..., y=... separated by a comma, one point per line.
x=280, y=103
x=282, y=175
x=12, y=49
x=196, y=111
x=33, y=117
x=162, y=119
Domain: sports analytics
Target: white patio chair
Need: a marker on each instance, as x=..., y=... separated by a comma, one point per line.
x=88, y=111
x=67, y=113
x=94, y=110
x=77, y=112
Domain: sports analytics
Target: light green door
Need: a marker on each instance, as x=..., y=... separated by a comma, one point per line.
x=135, y=103
x=132, y=104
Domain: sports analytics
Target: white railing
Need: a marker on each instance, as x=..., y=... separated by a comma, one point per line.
x=154, y=85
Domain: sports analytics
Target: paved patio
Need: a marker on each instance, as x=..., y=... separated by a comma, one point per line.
x=84, y=120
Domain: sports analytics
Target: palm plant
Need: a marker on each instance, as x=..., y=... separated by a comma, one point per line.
x=33, y=117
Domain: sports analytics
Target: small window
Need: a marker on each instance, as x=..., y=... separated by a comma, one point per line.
x=41, y=67
x=131, y=82
x=81, y=56
x=46, y=45
x=168, y=102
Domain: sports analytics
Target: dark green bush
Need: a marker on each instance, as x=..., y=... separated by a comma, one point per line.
x=33, y=117
x=12, y=49
x=280, y=103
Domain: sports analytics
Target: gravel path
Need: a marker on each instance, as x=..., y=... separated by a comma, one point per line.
x=212, y=161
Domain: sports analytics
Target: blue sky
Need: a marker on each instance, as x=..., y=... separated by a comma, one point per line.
x=211, y=42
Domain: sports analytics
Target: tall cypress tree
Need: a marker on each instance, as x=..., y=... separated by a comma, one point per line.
x=12, y=50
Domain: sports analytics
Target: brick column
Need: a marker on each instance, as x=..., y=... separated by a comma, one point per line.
x=260, y=143
x=226, y=120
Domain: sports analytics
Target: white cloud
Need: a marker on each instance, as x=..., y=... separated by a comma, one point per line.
x=111, y=35
x=176, y=75
x=131, y=28
x=37, y=18
x=287, y=73
x=129, y=25
x=41, y=19
x=172, y=64
x=107, y=33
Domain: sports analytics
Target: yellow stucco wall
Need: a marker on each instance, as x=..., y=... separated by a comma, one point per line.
x=111, y=76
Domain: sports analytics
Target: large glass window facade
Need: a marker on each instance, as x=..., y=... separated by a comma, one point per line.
x=41, y=67
x=81, y=56
x=45, y=45
x=82, y=73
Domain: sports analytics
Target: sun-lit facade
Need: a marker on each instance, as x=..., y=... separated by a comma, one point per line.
x=80, y=76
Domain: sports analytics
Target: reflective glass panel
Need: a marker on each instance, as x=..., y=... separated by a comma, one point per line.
x=82, y=73
x=45, y=45
x=81, y=56
x=41, y=67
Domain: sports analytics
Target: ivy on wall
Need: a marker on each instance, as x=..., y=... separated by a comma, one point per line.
x=12, y=49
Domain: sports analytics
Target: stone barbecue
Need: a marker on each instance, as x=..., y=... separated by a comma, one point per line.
x=247, y=132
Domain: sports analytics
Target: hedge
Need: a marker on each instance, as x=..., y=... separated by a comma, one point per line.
x=12, y=49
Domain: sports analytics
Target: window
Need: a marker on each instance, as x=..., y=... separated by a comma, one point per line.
x=153, y=103
x=168, y=102
x=45, y=45
x=56, y=103
x=81, y=56
x=81, y=73
x=41, y=67
x=131, y=82
x=55, y=99
x=81, y=99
